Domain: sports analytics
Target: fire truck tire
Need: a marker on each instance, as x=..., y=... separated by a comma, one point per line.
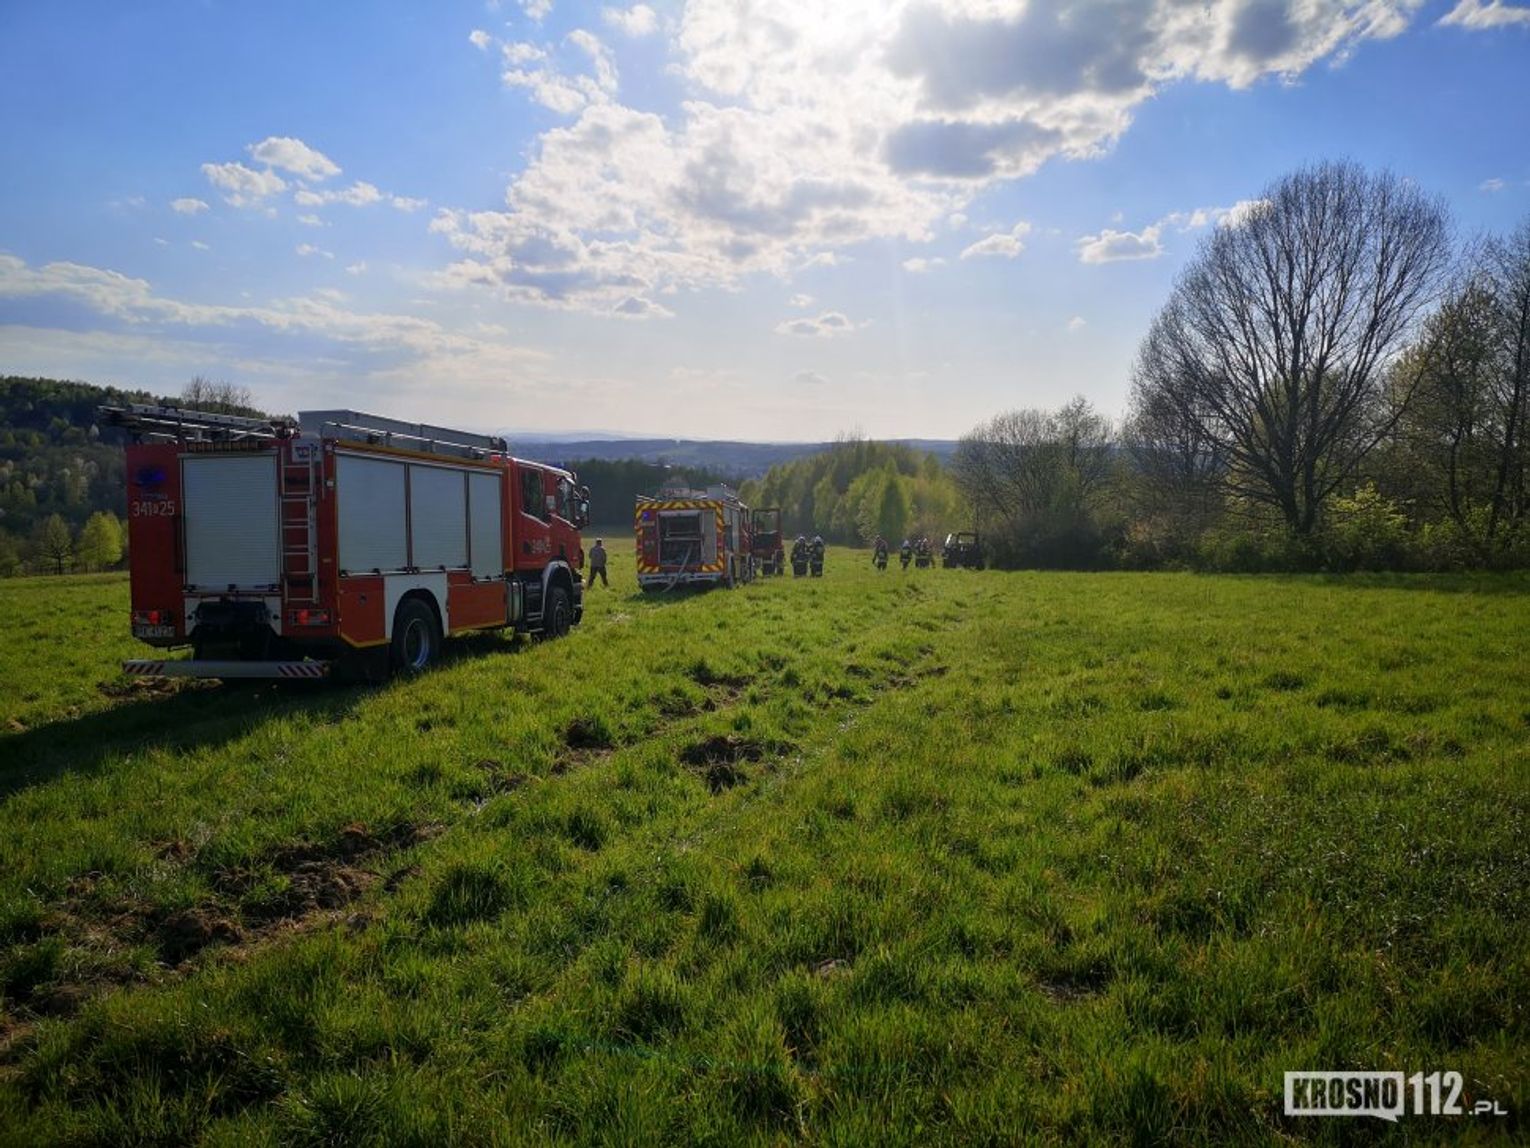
x=558, y=614
x=416, y=637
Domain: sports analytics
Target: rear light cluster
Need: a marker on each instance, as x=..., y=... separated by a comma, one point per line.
x=308, y=617
x=153, y=617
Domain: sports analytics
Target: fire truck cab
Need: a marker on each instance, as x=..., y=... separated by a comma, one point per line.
x=278, y=548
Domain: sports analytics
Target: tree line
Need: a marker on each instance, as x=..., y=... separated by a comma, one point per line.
x=858, y=489
x=1331, y=384
x=62, y=485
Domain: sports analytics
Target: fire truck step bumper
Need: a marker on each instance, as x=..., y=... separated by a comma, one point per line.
x=190, y=668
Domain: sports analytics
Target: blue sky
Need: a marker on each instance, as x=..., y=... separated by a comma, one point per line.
x=773, y=220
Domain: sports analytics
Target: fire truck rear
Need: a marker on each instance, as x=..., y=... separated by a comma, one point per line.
x=695, y=538
x=282, y=549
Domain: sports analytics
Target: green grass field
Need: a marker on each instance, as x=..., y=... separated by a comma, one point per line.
x=935, y=857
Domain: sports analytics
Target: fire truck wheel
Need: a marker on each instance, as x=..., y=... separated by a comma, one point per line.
x=416, y=636
x=559, y=614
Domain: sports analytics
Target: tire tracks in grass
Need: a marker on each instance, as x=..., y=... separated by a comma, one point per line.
x=305, y=885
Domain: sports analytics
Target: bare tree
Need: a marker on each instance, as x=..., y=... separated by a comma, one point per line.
x=1176, y=465
x=1509, y=269
x=1033, y=478
x=1462, y=445
x=220, y=397
x=1273, y=346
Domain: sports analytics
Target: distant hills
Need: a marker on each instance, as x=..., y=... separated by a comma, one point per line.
x=737, y=460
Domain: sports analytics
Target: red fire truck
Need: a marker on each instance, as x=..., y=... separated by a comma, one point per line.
x=692, y=538
x=277, y=549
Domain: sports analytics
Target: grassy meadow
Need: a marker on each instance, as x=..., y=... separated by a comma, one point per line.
x=935, y=857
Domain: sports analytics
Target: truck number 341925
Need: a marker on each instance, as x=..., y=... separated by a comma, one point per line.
x=146, y=508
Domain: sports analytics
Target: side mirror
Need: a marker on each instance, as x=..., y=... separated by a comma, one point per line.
x=583, y=511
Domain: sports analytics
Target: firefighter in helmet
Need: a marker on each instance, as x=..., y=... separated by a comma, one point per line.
x=799, y=556
x=879, y=553
x=905, y=553
x=815, y=556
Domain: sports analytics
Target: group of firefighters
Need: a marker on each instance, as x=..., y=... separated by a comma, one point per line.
x=917, y=550
x=807, y=556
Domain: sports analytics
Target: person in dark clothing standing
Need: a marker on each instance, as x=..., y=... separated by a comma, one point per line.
x=598, y=564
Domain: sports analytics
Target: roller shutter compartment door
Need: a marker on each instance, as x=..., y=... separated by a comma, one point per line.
x=438, y=517
x=370, y=507
x=233, y=532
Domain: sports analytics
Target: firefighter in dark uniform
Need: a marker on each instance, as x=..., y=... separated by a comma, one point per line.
x=799, y=556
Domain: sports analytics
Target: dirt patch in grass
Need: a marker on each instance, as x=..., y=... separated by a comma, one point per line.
x=720, y=759
x=704, y=674
x=292, y=888
x=1065, y=985
x=134, y=688
x=299, y=881
x=184, y=934
x=588, y=732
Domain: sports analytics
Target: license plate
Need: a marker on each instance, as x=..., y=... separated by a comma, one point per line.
x=153, y=631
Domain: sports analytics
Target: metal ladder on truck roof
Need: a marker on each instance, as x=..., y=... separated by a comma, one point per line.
x=299, y=522
x=178, y=424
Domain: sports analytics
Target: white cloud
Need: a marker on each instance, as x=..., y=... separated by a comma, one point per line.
x=356, y=268
x=810, y=378
x=1480, y=15
x=1204, y=216
x=1491, y=185
x=1114, y=246
x=536, y=9
x=200, y=246
x=186, y=205
x=408, y=203
x=519, y=52
x=919, y=265
x=802, y=135
x=1077, y=323
x=406, y=346
x=800, y=300
x=600, y=59
x=531, y=68
x=243, y=186
x=359, y=194
x=311, y=221
x=636, y=307
x=1005, y=243
x=293, y=156
x=828, y=324
x=639, y=20
x=480, y=39
x=307, y=249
